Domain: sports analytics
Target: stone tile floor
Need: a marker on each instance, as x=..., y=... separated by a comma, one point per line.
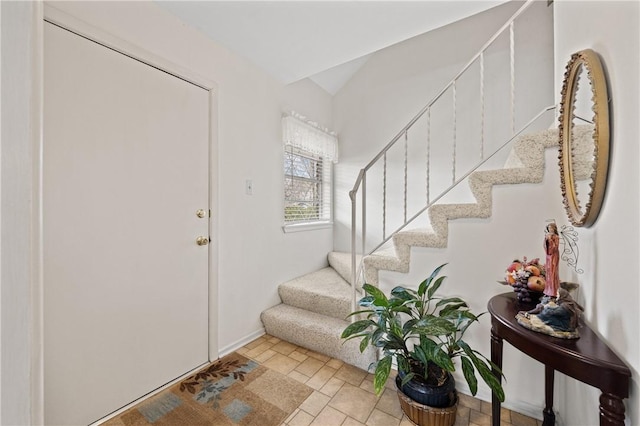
x=343, y=395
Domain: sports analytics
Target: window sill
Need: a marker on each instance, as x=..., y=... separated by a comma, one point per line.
x=308, y=226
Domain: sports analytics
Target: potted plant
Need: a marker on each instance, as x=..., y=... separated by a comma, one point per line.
x=424, y=334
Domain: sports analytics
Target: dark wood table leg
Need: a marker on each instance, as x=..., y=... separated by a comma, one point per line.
x=549, y=417
x=611, y=410
x=496, y=358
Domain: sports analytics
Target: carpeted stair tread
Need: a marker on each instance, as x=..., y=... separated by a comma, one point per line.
x=323, y=292
x=317, y=332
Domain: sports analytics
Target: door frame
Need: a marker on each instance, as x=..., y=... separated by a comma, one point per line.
x=47, y=12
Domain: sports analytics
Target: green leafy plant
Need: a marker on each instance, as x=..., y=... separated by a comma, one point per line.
x=424, y=333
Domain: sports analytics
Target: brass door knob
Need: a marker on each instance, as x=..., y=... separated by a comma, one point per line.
x=202, y=241
x=201, y=213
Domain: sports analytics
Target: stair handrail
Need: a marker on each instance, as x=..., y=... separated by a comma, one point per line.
x=360, y=265
x=466, y=175
x=360, y=182
x=404, y=130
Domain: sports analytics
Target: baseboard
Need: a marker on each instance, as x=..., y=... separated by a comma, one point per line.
x=241, y=342
x=484, y=394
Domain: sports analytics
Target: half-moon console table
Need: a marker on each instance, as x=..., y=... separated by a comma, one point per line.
x=587, y=359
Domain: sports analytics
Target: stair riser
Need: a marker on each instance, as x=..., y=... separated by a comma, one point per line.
x=315, y=334
x=341, y=262
x=323, y=304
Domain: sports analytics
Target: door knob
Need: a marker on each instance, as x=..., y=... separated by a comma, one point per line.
x=201, y=213
x=202, y=241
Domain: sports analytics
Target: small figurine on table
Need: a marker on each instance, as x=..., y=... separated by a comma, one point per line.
x=552, y=250
x=558, y=317
x=557, y=313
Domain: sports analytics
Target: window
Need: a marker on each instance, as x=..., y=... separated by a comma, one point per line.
x=309, y=152
x=307, y=184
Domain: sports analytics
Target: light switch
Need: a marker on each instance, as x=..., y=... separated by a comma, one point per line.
x=248, y=187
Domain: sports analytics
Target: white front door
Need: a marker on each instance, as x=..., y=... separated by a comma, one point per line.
x=126, y=149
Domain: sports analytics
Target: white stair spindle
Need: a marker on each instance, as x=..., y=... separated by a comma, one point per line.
x=482, y=106
x=512, y=63
x=453, y=159
x=406, y=151
x=428, y=153
x=384, y=197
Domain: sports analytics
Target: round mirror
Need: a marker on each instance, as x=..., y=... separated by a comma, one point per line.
x=584, y=137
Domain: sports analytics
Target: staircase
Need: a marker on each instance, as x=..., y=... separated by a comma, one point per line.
x=525, y=165
x=314, y=312
x=315, y=306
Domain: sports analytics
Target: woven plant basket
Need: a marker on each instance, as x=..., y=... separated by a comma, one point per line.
x=423, y=415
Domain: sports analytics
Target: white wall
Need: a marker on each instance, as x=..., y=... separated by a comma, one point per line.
x=611, y=245
x=398, y=81
x=17, y=209
x=254, y=253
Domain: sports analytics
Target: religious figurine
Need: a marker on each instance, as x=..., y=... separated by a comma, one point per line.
x=552, y=250
x=557, y=313
x=557, y=317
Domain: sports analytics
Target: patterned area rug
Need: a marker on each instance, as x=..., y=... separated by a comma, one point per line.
x=232, y=391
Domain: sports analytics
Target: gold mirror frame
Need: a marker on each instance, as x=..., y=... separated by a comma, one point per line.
x=584, y=60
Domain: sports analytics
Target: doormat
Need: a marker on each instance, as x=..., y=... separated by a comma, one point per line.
x=232, y=391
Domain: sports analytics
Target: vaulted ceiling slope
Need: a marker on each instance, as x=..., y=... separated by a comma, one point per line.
x=325, y=40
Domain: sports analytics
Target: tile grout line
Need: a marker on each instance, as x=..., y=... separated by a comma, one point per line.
x=342, y=395
x=478, y=410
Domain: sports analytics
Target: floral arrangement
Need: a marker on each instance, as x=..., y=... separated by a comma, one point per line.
x=527, y=279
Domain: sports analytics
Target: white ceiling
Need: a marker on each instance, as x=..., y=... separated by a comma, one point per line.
x=325, y=40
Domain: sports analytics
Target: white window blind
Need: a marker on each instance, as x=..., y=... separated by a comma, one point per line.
x=309, y=152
